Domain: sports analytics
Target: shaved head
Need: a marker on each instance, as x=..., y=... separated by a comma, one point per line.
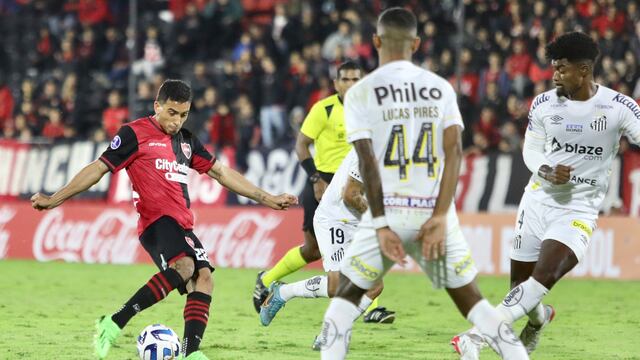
x=398, y=24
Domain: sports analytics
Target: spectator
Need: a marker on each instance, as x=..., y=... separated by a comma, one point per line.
x=115, y=115
x=223, y=132
x=339, y=39
x=271, y=111
x=6, y=104
x=517, y=67
x=248, y=134
x=54, y=126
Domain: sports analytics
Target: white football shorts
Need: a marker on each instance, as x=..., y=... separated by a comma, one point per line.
x=364, y=263
x=536, y=222
x=334, y=237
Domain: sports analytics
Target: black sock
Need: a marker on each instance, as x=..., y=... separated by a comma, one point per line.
x=196, y=316
x=156, y=289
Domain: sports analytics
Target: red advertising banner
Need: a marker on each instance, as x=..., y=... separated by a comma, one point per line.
x=255, y=237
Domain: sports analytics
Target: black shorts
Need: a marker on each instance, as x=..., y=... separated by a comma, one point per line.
x=309, y=203
x=166, y=242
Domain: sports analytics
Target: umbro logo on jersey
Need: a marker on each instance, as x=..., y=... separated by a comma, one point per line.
x=600, y=123
x=556, y=119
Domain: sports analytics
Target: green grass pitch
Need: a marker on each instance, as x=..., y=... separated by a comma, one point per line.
x=47, y=311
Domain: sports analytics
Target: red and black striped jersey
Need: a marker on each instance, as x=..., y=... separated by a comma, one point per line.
x=157, y=164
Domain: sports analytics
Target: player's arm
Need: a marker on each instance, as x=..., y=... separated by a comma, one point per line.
x=353, y=196
x=432, y=233
x=534, y=155
x=311, y=128
x=86, y=178
x=234, y=181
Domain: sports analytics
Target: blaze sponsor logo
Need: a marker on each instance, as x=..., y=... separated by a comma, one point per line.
x=364, y=269
x=590, y=152
x=116, y=142
x=407, y=93
x=630, y=104
x=580, y=225
x=513, y=297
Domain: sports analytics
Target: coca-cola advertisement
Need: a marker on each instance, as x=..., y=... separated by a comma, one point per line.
x=256, y=237
x=252, y=237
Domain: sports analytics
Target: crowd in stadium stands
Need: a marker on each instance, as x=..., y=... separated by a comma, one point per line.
x=257, y=66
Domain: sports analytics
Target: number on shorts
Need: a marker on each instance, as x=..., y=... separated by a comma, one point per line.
x=423, y=151
x=337, y=236
x=201, y=254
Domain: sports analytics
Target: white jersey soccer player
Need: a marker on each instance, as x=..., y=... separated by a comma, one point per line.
x=571, y=141
x=584, y=135
x=334, y=224
x=404, y=110
x=405, y=125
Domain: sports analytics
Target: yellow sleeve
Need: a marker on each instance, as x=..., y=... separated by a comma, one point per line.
x=315, y=121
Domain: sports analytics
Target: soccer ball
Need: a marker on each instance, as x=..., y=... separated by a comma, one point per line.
x=158, y=342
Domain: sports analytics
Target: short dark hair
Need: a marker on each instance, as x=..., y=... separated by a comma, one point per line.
x=348, y=65
x=399, y=18
x=573, y=46
x=176, y=90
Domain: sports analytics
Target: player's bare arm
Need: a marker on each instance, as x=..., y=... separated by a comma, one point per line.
x=558, y=175
x=86, y=178
x=353, y=196
x=234, y=181
x=304, y=156
x=432, y=233
x=390, y=243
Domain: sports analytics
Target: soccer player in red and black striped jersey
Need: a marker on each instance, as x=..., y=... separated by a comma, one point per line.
x=156, y=153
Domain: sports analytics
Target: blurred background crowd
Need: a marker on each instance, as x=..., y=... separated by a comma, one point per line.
x=257, y=66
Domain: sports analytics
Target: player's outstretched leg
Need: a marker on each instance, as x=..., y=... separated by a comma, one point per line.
x=196, y=315
x=157, y=288
x=294, y=260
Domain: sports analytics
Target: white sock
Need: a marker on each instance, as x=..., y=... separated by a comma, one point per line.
x=522, y=299
x=537, y=316
x=364, y=303
x=336, y=329
x=314, y=287
x=496, y=331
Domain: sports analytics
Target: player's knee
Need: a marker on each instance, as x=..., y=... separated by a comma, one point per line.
x=376, y=290
x=185, y=266
x=349, y=291
x=204, y=282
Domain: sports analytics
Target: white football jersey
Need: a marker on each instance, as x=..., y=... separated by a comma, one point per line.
x=404, y=110
x=331, y=205
x=584, y=135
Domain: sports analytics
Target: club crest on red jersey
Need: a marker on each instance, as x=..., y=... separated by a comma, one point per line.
x=186, y=150
x=190, y=242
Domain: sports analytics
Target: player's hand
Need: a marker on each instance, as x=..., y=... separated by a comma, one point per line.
x=432, y=234
x=281, y=202
x=391, y=245
x=558, y=175
x=42, y=202
x=318, y=189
